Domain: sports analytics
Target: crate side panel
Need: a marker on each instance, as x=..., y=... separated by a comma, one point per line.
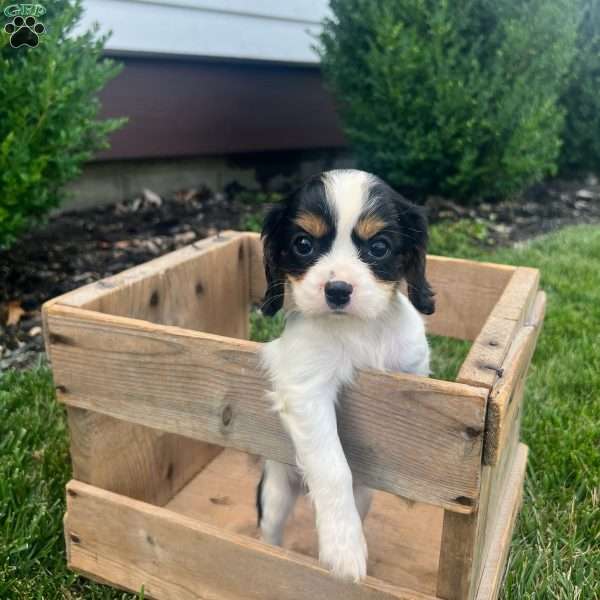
x=466, y=291
x=130, y=544
x=409, y=435
x=495, y=480
x=139, y=462
x=403, y=537
x=502, y=531
x=465, y=294
x=466, y=539
x=204, y=286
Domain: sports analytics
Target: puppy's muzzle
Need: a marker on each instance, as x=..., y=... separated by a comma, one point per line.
x=337, y=294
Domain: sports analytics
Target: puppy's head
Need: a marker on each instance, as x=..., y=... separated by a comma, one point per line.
x=341, y=244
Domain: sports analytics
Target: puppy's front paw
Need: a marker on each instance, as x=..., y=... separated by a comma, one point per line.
x=343, y=549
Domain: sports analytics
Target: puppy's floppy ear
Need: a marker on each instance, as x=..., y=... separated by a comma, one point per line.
x=413, y=224
x=272, y=237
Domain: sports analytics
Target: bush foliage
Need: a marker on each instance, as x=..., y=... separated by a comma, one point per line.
x=581, y=149
x=450, y=98
x=48, y=109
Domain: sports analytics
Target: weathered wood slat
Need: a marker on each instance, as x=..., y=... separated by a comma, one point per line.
x=466, y=539
x=403, y=537
x=204, y=286
x=484, y=363
x=466, y=291
x=506, y=396
x=136, y=461
x=413, y=436
x=457, y=554
x=501, y=534
x=133, y=544
x=494, y=481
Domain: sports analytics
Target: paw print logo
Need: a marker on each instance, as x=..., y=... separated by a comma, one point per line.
x=24, y=32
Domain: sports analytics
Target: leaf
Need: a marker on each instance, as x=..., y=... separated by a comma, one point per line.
x=15, y=312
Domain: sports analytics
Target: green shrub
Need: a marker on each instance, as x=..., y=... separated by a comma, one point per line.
x=457, y=238
x=581, y=149
x=48, y=109
x=453, y=98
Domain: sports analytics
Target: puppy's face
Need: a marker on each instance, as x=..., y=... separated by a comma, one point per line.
x=341, y=244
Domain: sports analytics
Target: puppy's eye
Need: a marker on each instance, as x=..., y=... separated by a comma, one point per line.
x=303, y=246
x=379, y=248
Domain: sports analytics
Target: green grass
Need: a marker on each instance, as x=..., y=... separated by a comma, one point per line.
x=556, y=547
x=34, y=467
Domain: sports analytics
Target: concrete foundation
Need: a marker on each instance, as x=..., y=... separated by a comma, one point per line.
x=116, y=181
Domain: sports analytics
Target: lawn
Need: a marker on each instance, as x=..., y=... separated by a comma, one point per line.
x=556, y=547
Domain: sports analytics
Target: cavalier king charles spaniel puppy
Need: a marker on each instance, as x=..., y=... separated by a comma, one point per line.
x=337, y=250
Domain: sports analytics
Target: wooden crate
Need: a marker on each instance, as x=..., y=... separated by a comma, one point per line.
x=167, y=414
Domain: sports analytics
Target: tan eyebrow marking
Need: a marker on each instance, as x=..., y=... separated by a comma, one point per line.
x=311, y=223
x=369, y=226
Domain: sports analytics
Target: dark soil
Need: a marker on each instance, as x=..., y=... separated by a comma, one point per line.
x=77, y=248
x=544, y=208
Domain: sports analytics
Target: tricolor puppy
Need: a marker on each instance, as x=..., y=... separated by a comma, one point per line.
x=337, y=251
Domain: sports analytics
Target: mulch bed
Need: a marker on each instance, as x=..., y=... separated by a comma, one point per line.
x=77, y=248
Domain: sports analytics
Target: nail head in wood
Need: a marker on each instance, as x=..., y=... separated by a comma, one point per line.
x=465, y=501
x=472, y=433
x=57, y=338
x=227, y=415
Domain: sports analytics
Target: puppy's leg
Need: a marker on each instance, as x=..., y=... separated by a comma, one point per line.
x=363, y=497
x=275, y=498
x=311, y=421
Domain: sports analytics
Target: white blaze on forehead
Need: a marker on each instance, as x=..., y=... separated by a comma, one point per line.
x=348, y=193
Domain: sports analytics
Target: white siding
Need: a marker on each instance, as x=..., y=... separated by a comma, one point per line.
x=272, y=30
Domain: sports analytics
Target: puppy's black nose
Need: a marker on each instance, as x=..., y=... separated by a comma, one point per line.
x=337, y=293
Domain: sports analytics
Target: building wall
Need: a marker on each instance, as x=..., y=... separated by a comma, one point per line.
x=267, y=30
x=197, y=107
x=214, y=91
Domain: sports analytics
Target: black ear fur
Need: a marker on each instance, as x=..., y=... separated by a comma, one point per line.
x=271, y=236
x=414, y=228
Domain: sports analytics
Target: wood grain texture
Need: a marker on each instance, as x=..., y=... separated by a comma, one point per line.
x=136, y=461
x=500, y=449
x=403, y=537
x=457, y=553
x=131, y=543
x=204, y=286
x=412, y=436
x=466, y=291
x=506, y=395
x=501, y=535
x=494, y=483
x=485, y=362
x=467, y=540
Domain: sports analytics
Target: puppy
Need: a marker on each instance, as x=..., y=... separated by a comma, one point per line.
x=337, y=250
